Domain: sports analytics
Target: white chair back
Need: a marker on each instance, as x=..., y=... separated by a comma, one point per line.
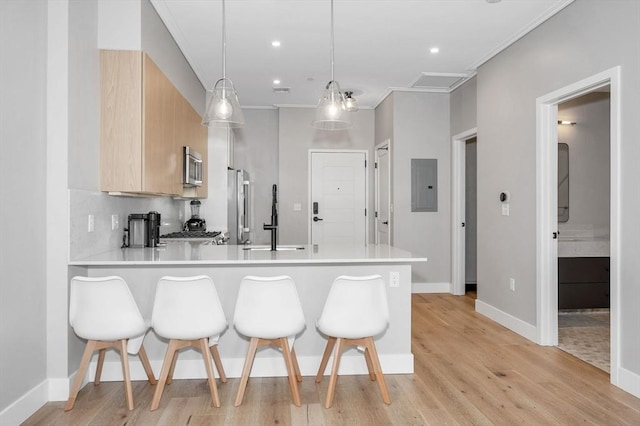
x=187, y=308
x=268, y=307
x=356, y=307
x=104, y=309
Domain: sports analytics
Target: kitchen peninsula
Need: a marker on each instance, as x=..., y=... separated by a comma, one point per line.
x=312, y=267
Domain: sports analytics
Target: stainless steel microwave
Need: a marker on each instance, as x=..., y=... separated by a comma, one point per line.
x=192, y=175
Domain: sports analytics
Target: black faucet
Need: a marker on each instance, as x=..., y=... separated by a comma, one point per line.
x=273, y=226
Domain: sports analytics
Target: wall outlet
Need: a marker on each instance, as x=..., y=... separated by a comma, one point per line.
x=394, y=279
x=512, y=284
x=115, y=222
x=505, y=209
x=90, y=223
x=297, y=207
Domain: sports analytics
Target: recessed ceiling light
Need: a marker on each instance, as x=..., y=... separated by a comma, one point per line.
x=275, y=43
x=494, y=1
x=434, y=50
x=276, y=81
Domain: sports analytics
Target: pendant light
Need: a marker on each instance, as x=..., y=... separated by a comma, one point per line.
x=223, y=108
x=350, y=103
x=331, y=112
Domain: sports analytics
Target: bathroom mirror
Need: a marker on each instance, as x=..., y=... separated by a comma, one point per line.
x=563, y=182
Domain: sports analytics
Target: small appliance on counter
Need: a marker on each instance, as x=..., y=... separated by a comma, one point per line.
x=196, y=223
x=143, y=230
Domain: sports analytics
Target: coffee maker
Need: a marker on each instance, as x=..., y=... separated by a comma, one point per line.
x=143, y=230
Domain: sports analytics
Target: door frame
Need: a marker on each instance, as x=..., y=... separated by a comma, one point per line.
x=366, y=186
x=458, y=214
x=546, y=208
x=385, y=144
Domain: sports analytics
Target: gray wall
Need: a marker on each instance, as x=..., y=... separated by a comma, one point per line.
x=23, y=204
x=582, y=40
x=464, y=107
x=589, y=164
x=421, y=130
x=296, y=137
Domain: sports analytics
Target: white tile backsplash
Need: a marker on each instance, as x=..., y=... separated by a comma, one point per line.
x=82, y=203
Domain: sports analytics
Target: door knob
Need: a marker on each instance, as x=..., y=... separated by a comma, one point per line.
x=316, y=218
x=386, y=222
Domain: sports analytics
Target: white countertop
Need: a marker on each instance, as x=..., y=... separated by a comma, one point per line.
x=186, y=253
x=583, y=247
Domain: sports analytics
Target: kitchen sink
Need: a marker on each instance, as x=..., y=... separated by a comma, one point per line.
x=268, y=248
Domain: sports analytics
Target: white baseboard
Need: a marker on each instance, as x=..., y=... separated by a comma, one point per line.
x=59, y=388
x=430, y=287
x=629, y=381
x=514, y=324
x=262, y=367
x=26, y=405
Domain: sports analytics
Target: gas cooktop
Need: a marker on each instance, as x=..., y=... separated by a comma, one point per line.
x=192, y=234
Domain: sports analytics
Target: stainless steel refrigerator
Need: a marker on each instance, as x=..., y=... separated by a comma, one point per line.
x=239, y=206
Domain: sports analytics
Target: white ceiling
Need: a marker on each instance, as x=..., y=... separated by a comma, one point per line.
x=380, y=45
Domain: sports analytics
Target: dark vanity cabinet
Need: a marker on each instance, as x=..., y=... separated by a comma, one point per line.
x=583, y=282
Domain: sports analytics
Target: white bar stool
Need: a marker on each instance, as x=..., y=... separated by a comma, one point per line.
x=356, y=309
x=268, y=311
x=188, y=312
x=103, y=311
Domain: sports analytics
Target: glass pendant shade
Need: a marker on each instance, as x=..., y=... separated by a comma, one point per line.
x=331, y=113
x=223, y=108
x=350, y=103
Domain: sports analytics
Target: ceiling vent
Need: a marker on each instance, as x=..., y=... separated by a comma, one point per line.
x=439, y=81
x=282, y=90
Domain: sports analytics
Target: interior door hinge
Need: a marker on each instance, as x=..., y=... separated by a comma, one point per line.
x=375, y=165
x=365, y=164
x=365, y=212
x=376, y=214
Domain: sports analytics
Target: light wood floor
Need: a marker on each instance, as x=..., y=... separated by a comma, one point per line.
x=468, y=370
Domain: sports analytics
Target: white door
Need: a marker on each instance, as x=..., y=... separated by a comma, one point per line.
x=338, y=198
x=383, y=195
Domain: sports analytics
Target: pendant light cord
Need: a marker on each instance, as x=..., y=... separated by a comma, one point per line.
x=331, y=40
x=224, y=42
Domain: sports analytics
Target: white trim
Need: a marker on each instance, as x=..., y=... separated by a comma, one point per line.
x=629, y=381
x=366, y=186
x=458, y=214
x=514, y=324
x=59, y=388
x=430, y=287
x=22, y=408
x=546, y=213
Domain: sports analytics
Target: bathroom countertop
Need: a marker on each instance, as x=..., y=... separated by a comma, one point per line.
x=584, y=247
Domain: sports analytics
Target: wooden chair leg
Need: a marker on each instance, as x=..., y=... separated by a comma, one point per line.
x=325, y=358
x=101, y=353
x=146, y=365
x=334, y=372
x=246, y=370
x=371, y=346
x=166, y=366
x=367, y=358
x=82, y=369
x=208, y=365
x=296, y=367
x=124, y=358
x=173, y=367
x=216, y=359
x=293, y=382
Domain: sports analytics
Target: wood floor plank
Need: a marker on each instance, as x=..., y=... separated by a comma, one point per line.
x=468, y=370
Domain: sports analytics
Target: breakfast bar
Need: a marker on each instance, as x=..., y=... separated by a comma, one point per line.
x=312, y=267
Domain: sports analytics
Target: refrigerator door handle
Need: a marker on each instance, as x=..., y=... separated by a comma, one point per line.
x=246, y=221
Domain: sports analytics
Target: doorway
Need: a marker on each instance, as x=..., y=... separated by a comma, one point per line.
x=338, y=197
x=383, y=216
x=547, y=208
x=459, y=210
x=583, y=216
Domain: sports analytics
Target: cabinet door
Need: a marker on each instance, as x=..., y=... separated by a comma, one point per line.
x=121, y=121
x=162, y=157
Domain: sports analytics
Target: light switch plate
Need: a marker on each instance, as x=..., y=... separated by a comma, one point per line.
x=297, y=207
x=505, y=210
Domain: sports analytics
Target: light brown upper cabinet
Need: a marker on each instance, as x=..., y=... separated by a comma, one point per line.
x=145, y=122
